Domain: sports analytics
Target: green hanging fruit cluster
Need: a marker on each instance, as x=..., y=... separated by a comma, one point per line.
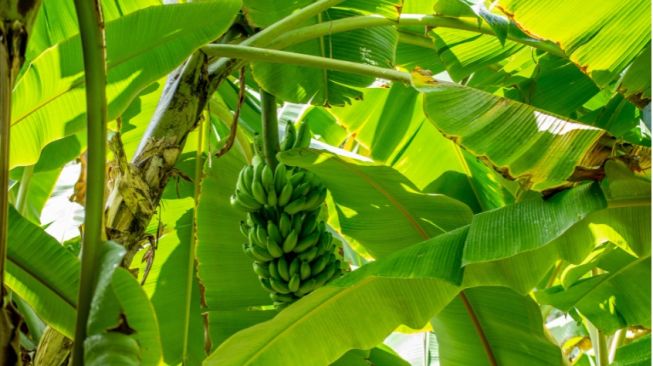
x=293, y=252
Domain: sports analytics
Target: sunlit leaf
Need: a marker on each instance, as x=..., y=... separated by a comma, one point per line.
x=46, y=100
x=504, y=317
x=372, y=197
x=601, y=38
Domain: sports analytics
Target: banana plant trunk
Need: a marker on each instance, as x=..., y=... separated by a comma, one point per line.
x=16, y=20
x=136, y=190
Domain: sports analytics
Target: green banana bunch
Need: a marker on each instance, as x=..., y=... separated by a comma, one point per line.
x=293, y=252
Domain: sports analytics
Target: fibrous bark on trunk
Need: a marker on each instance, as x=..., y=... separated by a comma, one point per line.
x=137, y=189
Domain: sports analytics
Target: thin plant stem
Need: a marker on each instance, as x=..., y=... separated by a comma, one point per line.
x=25, y=180
x=291, y=58
x=429, y=21
x=233, y=130
x=199, y=174
x=91, y=26
x=617, y=340
x=270, y=128
x=6, y=83
x=479, y=330
x=270, y=33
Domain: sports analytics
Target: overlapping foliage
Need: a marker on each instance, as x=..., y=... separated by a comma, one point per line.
x=505, y=194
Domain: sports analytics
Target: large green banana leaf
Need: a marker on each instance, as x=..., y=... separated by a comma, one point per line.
x=637, y=353
x=46, y=100
x=140, y=314
x=602, y=38
x=558, y=86
x=403, y=288
x=521, y=271
x=636, y=83
x=374, y=46
x=56, y=21
x=120, y=302
x=40, y=180
x=614, y=299
x=463, y=52
x=171, y=284
x=512, y=325
x=423, y=55
x=378, y=356
x=384, y=120
x=232, y=293
x=262, y=13
x=264, y=340
x=392, y=125
x=371, y=197
x=539, y=150
x=407, y=217
x=529, y=224
x=43, y=273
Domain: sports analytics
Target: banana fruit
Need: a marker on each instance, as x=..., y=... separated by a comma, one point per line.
x=293, y=252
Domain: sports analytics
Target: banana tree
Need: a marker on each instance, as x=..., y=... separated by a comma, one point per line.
x=346, y=182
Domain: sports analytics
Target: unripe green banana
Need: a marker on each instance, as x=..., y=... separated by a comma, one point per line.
x=292, y=251
x=265, y=282
x=319, y=264
x=261, y=269
x=267, y=178
x=282, y=298
x=326, y=275
x=241, y=183
x=254, y=240
x=258, y=192
x=307, y=242
x=244, y=229
x=286, y=193
x=294, y=206
x=294, y=266
x=306, y=287
x=282, y=267
x=273, y=232
x=297, y=222
x=257, y=165
x=254, y=219
x=272, y=198
x=248, y=176
x=260, y=254
x=280, y=178
x=248, y=250
x=324, y=242
x=279, y=286
x=294, y=283
x=237, y=204
x=310, y=224
x=248, y=200
x=304, y=270
x=273, y=270
x=261, y=235
x=315, y=199
x=308, y=255
x=290, y=242
x=296, y=178
x=285, y=224
x=300, y=190
x=274, y=249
